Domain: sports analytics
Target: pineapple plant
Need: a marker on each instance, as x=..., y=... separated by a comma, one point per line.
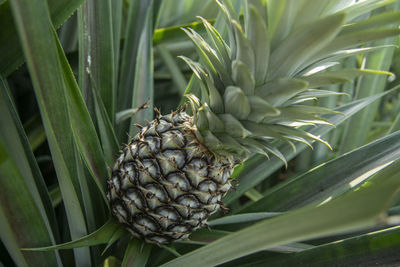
x=258, y=95
x=174, y=173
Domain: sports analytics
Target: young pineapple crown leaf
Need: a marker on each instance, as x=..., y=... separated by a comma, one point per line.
x=254, y=88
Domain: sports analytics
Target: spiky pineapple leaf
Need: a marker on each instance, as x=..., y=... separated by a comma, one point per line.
x=356, y=132
x=219, y=44
x=363, y=7
x=357, y=210
x=331, y=178
x=100, y=236
x=380, y=247
x=339, y=76
x=261, y=109
x=243, y=77
x=301, y=45
x=236, y=102
x=11, y=54
x=136, y=254
x=382, y=19
x=241, y=218
x=209, y=59
x=259, y=171
x=355, y=38
x=278, y=91
x=259, y=39
x=175, y=33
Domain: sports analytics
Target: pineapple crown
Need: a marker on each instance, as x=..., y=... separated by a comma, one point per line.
x=262, y=86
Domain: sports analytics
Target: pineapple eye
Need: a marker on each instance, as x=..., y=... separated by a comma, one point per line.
x=147, y=222
x=163, y=126
x=176, y=156
x=173, y=139
x=180, y=180
x=134, y=197
x=150, y=171
x=167, y=213
x=207, y=186
x=189, y=201
x=130, y=152
x=199, y=215
x=178, y=228
x=153, y=143
x=157, y=239
x=120, y=212
x=130, y=171
x=157, y=191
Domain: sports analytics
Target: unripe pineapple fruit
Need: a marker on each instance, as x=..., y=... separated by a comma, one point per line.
x=165, y=184
x=249, y=94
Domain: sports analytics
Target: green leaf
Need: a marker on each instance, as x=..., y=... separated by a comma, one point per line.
x=258, y=169
x=116, y=15
x=22, y=222
x=260, y=109
x=236, y=102
x=243, y=77
x=11, y=54
x=244, y=50
x=383, y=19
x=242, y=218
x=82, y=126
x=363, y=7
x=209, y=59
x=356, y=132
x=97, y=51
x=219, y=44
x=339, y=76
x=174, y=34
x=170, y=62
x=259, y=39
x=135, y=27
x=39, y=44
x=100, y=236
x=279, y=91
x=356, y=210
x=331, y=178
x=233, y=127
x=380, y=247
x=143, y=89
x=136, y=254
x=301, y=45
x=355, y=38
x=14, y=138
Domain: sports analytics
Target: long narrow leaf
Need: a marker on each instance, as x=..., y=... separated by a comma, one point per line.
x=97, y=56
x=356, y=210
x=143, y=85
x=23, y=220
x=38, y=40
x=260, y=171
x=327, y=179
x=138, y=10
x=11, y=54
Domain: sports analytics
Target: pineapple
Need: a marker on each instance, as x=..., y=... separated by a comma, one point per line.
x=251, y=93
